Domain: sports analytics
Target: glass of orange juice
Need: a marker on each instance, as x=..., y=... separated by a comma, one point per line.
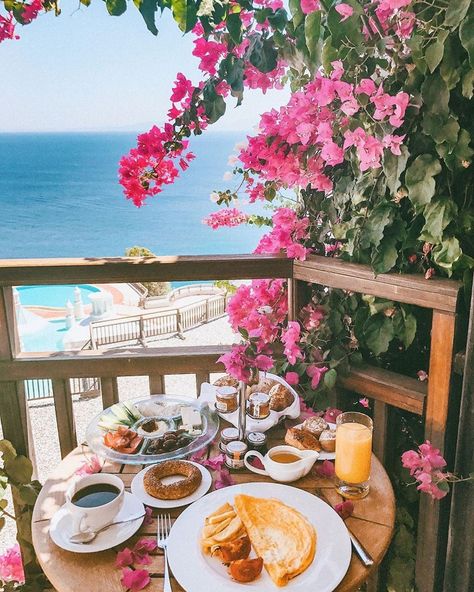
x=353, y=454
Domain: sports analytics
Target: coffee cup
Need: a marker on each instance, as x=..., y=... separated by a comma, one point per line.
x=94, y=501
x=283, y=463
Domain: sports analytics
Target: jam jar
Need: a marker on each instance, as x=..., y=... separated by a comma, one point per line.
x=235, y=453
x=227, y=399
x=258, y=405
x=228, y=435
x=257, y=441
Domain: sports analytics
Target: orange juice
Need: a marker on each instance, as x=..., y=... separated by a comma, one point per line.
x=353, y=452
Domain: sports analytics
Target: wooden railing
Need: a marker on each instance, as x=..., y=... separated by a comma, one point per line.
x=145, y=327
x=384, y=387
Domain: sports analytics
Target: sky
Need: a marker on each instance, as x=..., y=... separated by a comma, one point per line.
x=88, y=71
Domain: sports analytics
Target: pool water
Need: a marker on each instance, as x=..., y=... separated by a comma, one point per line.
x=55, y=296
x=50, y=338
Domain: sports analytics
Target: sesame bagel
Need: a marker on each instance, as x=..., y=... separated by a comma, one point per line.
x=153, y=480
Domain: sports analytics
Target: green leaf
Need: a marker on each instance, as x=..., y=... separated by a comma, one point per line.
x=330, y=378
x=393, y=167
x=234, y=26
x=349, y=30
x=379, y=218
x=385, y=255
x=28, y=494
x=261, y=53
x=415, y=43
x=404, y=324
x=312, y=31
x=435, y=94
x=378, y=333
x=434, y=55
x=278, y=19
x=447, y=253
x=147, y=9
x=19, y=469
x=116, y=7
x=468, y=84
x=7, y=450
x=184, y=13
x=329, y=54
x=438, y=214
x=419, y=179
x=450, y=69
x=456, y=11
x=467, y=38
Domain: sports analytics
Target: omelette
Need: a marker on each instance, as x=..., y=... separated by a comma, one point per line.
x=280, y=535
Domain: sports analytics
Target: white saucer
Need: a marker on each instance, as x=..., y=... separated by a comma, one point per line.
x=139, y=491
x=60, y=528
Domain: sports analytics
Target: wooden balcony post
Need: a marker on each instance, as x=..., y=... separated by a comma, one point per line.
x=431, y=535
x=157, y=384
x=64, y=416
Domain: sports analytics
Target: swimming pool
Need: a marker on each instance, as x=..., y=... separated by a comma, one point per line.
x=54, y=296
x=50, y=338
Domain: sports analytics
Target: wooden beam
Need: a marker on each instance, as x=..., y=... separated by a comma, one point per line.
x=20, y=272
x=157, y=384
x=110, y=394
x=120, y=362
x=459, y=573
x=431, y=523
x=200, y=378
x=440, y=294
x=380, y=430
x=64, y=416
x=386, y=386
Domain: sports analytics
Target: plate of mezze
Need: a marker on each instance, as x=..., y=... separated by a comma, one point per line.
x=262, y=537
x=158, y=428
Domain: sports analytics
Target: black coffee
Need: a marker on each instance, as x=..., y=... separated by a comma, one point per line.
x=95, y=495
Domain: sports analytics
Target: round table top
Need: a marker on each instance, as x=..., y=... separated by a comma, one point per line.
x=372, y=522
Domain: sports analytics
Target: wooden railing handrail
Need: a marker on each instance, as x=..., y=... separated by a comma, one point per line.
x=440, y=294
x=20, y=272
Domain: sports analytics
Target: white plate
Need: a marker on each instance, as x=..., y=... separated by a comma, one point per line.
x=60, y=528
x=198, y=573
x=139, y=490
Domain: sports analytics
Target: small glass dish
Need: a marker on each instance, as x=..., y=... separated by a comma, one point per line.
x=161, y=425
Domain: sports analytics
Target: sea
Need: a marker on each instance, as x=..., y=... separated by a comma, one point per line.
x=60, y=197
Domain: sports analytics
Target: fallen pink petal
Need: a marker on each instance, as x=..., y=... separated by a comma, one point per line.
x=135, y=579
x=344, y=509
x=325, y=469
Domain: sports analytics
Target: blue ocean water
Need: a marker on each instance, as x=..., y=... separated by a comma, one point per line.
x=60, y=197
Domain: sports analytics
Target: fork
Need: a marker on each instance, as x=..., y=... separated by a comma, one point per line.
x=164, y=527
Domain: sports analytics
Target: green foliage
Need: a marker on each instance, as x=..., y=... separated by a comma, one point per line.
x=153, y=288
x=16, y=471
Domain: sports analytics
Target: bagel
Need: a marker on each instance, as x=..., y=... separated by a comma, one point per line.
x=153, y=480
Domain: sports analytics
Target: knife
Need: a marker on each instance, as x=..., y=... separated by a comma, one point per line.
x=359, y=550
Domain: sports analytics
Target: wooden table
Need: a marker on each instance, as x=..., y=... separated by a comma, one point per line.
x=372, y=522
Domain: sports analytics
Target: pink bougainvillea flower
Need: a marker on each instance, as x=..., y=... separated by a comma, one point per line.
x=182, y=88
x=309, y=6
x=345, y=10
x=430, y=273
x=311, y=316
x=315, y=373
x=331, y=414
x=7, y=28
x=224, y=479
x=364, y=402
x=290, y=338
x=422, y=375
x=325, y=469
x=124, y=558
x=292, y=378
x=11, y=565
x=366, y=86
x=135, y=579
x=425, y=465
x=90, y=466
x=148, y=516
x=344, y=509
x=228, y=217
